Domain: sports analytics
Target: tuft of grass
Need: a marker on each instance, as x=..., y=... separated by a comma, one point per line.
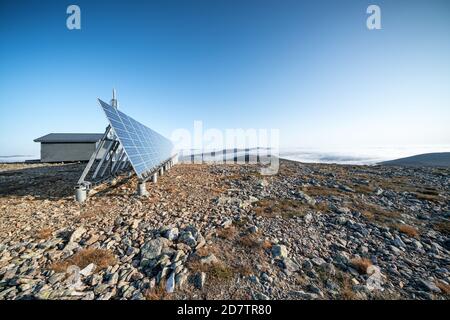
x=368, y=215
x=364, y=189
x=361, y=265
x=375, y=213
x=445, y=288
x=266, y=245
x=427, y=195
x=101, y=258
x=244, y=269
x=221, y=272
x=158, y=292
x=287, y=208
x=249, y=241
x=346, y=291
x=44, y=234
x=408, y=230
x=227, y=233
x=316, y=191
x=443, y=226
x=218, y=271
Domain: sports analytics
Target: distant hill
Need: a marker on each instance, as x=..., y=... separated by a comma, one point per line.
x=441, y=159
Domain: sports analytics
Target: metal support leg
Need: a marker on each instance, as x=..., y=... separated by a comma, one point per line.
x=118, y=162
x=94, y=156
x=105, y=155
x=124, y=163
x=111, y=156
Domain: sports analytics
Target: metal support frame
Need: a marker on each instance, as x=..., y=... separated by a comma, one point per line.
x=113, y=162
x=81, y=181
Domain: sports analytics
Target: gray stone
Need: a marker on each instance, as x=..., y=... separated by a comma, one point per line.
x=152, y=249
x=318, y=261
x=309, y=200
x=261, y=296
x=199, y=280
x=308, y=218
x=118, y=222
x=307, y=265
x=290, y=265
x=428, y=286
x=180, y=279
x=279, y=251
x=227, y=223
x=171, y=234
x=113, y=279
x=88, y=270
x=170, y=284
x=328, y=268
x=188, y=239
x=209, y=260
x=77, y=234
x=200, y=241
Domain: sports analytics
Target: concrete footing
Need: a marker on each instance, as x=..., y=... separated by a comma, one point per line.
x=80, y=194
x=155, y=177
x=161, y=171
x=142, y=190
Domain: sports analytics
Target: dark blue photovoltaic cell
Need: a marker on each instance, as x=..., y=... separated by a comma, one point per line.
x=145, y=148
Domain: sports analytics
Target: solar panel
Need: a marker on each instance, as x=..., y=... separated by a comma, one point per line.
x=145, y=148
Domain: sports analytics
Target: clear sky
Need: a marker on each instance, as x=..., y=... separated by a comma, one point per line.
x=309, y=68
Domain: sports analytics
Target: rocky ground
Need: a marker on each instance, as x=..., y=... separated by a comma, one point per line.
x=313, y=231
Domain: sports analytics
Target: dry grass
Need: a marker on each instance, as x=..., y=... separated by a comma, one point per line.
x=158, y=292
x=368, y=215
x=170, y=189
x=361, y=265
x=364, y=189
x=221, y=272
x=408, y=230
x=347, y=292
x=315, y=191
x=44, y=234
x=445, y=288
x=401, y=184
x=217, y=190
x=443, y=226
x=101, y=258
x=287, y=208
x=207, y=250
x=244, y=269
x=218, y=271
x=227, y=233
x=250, y=241
x=266, y=245
x=375, y=213
x=427, y=197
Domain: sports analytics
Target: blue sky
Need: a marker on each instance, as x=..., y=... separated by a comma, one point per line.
x=309, y=68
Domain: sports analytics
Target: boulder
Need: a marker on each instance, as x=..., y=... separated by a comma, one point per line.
x=279, y=251
x=77, y=234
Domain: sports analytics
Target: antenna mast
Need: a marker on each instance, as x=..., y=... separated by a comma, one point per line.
x=114, y=101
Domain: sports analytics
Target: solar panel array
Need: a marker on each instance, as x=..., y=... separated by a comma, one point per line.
x=145, y=148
